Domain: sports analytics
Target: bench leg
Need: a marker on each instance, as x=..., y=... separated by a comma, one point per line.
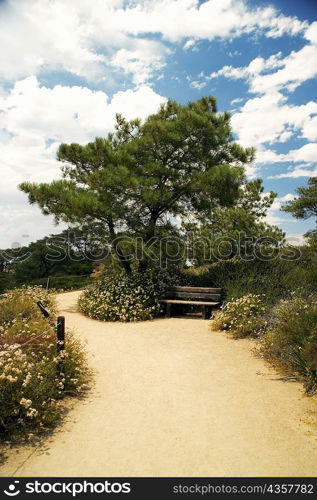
x=206, y=312
x=177, y=309
x=168, y=310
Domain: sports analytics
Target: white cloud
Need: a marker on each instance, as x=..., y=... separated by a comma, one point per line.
x=311, y=33
x=236, y=101
x=290, y=71
x=279, y=201
x=197, y=85
x=255, y=67
x=41, y=36
x=310, y=128
x=142, y=61
x=234, y=53
x=37, y=119
x=274, y=214
x=24, y=224
x=295, y=239
x=299, y=171
x=69, y=113
x=136, y=103
x=307, y=153
x=74, y=37
x=191, y=45
x=178, y=19
x=269, y=119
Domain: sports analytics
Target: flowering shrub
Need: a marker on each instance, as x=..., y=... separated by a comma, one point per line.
x=291, y=338
x=241, y=316
x=20, y=303
x=122, y=297
x=29, y=381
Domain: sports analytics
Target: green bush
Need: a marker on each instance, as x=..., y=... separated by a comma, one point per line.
x=291, y=338
x=30, y=384
x=121, y=297
x=274, y=278
x=6, y=281
x=242, y=316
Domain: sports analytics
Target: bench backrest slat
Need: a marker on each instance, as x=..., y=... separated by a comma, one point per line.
x=205, y=294
x=193, y=295
x=193, y=289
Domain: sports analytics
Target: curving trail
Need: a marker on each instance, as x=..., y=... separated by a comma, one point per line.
x=172, y=398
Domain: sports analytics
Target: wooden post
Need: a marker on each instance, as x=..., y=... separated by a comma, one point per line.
x=60, y=346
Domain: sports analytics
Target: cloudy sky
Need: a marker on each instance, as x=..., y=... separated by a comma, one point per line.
x=67, y=66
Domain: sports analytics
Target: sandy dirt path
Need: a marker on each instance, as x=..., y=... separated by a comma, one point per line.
x=173, y=398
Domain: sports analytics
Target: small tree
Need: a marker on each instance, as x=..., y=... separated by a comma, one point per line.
x=304, y=205
x=138, y=180
x=235, y=230
x=54, y=255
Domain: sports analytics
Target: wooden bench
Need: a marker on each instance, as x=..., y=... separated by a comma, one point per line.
x=206, y=298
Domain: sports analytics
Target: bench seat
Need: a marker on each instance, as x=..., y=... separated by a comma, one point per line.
x=189, y=302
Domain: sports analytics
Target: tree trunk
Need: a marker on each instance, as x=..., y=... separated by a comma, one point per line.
x=122, y=258
x=115, y=245
x=143, y=265
x=150, y=233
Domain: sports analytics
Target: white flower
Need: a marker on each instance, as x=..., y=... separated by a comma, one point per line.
x=31, y=413
x=25, y=402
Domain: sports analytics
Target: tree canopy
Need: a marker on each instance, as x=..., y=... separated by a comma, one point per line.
x=182, y=160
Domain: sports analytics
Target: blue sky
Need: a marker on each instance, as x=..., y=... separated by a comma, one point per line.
x=66, y=68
